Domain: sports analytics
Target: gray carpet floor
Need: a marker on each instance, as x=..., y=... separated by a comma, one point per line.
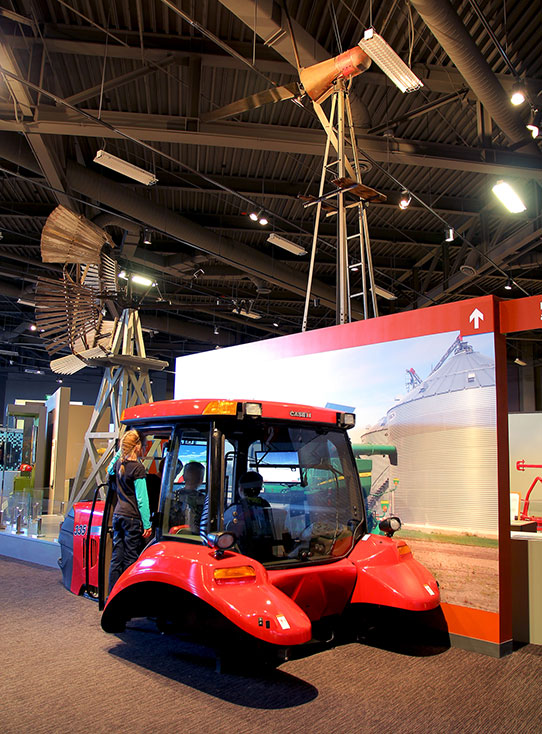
x=61, y=673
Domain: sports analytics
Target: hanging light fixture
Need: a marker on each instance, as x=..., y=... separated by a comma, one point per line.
x=405, y=200
x=292, y=247
x=535, y=122
x=391, y=64
x=449, y=234
x=125, y=168
x=518, y=93
x=508, y=286
x=506, y=194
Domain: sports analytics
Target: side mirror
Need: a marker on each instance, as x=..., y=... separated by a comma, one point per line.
x=390, y=525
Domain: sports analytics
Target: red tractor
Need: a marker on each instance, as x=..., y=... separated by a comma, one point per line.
x=269, y=569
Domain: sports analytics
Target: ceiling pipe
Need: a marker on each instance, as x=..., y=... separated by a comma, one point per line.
x=446, y=26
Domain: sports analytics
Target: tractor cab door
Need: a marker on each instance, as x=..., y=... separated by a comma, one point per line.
x=156, y=442
x=106, y=544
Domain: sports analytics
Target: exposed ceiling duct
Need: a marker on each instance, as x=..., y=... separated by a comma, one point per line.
x=445, y=25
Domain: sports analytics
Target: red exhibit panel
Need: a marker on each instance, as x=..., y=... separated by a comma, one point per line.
x=428, y=388
x=520, y=314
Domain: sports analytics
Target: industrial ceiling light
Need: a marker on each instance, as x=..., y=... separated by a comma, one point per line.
x=391, y=64
x=125, y=168
x=449, y=234
x=33, y=327
x=520, y=362
x=405, y=200
x=216, y=331
x=279, y=241
x=253, y=216
x=506, y=194
x=508, y=286
x=24, y=302
x=262, y=219
x=276, y=323
x=518, y=94
x=147, y=236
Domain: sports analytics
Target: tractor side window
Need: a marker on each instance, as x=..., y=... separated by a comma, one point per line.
x=155, y=449
x=186, y=488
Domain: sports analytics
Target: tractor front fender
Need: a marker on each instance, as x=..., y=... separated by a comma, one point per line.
x=387, y=574
x=242, y=592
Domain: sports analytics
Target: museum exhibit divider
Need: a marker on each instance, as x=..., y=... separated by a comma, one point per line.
x=428, y=388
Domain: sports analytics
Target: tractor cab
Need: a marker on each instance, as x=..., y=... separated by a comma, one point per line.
x=259, y=523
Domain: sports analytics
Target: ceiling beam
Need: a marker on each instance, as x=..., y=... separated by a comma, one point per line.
x=163, y=220
x=436, y=78
x=168, y=129
x=22, y=97
x=119, y=81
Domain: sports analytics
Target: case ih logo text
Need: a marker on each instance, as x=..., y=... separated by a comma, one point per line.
x=300, y=414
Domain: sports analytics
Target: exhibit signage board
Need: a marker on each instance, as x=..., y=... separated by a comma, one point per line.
x=428, y=388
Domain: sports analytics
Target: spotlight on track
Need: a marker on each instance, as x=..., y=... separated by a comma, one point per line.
x=405, y=199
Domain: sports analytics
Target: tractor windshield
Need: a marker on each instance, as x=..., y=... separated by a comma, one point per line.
x=289, y=492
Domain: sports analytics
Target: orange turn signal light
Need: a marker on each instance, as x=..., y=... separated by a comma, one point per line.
x=403, y=549
x=234, y=573
x=223, y=407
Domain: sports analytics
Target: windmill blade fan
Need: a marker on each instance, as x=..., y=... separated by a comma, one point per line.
x=268, y=96
x=83, y=356
x=66, y=311
x=71, y=238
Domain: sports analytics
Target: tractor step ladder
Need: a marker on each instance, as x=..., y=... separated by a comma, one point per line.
x=339, y=130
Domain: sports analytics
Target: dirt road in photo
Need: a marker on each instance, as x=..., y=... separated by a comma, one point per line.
x=468, y=575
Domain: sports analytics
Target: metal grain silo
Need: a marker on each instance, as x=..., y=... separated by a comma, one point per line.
x=445, y=434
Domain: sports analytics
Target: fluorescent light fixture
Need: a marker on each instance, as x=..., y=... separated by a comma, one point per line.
x=449, y=234
x=244, y=312
x=141, y=280
x=506, y=194
x=384, y=293
x=520, y=362
x=405, y=200
x=23, y=302
x=125, y=168
x=279, y=241
x=32, y=371
x=391, y=64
